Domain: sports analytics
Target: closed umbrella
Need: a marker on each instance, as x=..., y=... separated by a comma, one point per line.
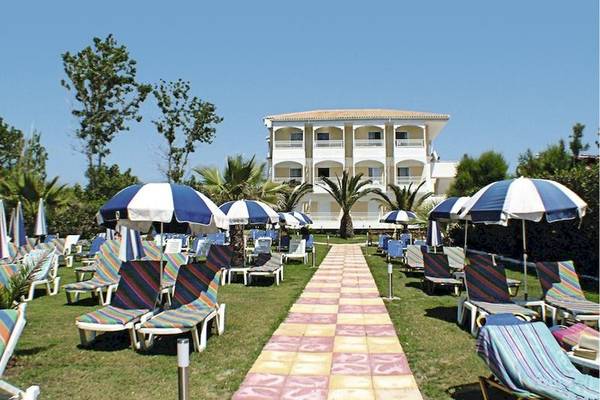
x=131, y=247
x=3, y=236
x=40, y=221
x=17, y=226
x=434, y=234
x=524, y=199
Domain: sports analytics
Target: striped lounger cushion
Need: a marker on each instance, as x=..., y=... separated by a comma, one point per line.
x=437, y=268
x=194, y=299
x=8, y=320
x=107, y=268
x=219, y=256
x=7, y=271
x=488, y=290
x=561, y=288
x=136, y=294
x=266, y=263
x=527, y=359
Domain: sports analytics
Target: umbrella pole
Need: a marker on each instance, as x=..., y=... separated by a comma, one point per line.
x=524, y=257
x=162, y=251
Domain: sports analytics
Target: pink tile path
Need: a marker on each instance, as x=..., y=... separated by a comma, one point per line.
x=338, y=342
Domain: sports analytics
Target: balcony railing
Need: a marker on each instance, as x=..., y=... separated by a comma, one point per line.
x=337, y=144
x=368, y=142
x=375, y=180
x=325, y=215
x=410, y=143
x=365, y=216
x=282, y=179
x=407, y=180
x=281, y=144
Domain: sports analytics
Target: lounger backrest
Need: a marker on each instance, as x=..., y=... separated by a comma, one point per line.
x=107, y=262
x=395, y=248
x=44, y=265
x=50, y=238
x=7, y=271
x=436, y=265
x=219, y=256
x=456, y=257
x=262, y=259
x=486, y=282
x=285, y=241
x=13, y=251
x=414, y=257
x=559, y=280
x=527, y=359
x=171, y=267
x=297, y=246
x=59, y=245
x=139, y=285
x=8, y=322
x=263, y=245
x=386, y=241
x=197, y=284
x=310, y=242
x=95, y=246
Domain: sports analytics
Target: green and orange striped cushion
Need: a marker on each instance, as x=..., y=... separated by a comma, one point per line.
x=8, y=320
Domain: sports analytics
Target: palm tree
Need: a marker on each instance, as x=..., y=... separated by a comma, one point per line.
x=240, y=179
x=29, y=188
x=290, y=198
x=404, y=198
x=346, y=192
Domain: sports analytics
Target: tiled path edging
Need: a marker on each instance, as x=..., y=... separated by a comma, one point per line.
x=338, y=341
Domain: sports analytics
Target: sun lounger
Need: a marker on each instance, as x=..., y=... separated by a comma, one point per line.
x=106, y=275
x=194, y=303
x=219, y=257
x=7, y=271
x=577, y=339
x=44, y=267
x=437, y=272
x=526, y=361
x=12, y=323
x=563, y=294
x=395, y=249
x=414, y=258
x=267, y=265
x=134, y=301
x=456, y=257
x=489, y=259
x=297, y=251
x=487, y=293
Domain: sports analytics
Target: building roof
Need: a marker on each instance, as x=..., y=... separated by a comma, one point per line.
x=355, y=114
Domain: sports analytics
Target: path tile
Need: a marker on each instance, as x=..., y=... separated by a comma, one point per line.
x=337, y=342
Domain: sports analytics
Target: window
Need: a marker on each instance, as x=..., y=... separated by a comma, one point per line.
x=323, y=172
x=375, y=135
x=374, y=172
x=296, y=136
x=403, y=171
x=295, y=172
x=401, y=135
x=322, y=135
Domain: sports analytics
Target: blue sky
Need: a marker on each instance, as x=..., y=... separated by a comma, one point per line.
x=512, y=74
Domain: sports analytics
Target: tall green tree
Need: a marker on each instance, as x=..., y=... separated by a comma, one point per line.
x=102, y=79
x=346, y=191
x=11, y=145
x=33, y=156
x=554, y=158
x=107, y=181
x=474, y=173
x=184, y=116
x=241, y=179
x=291, y=197
x=576, y=145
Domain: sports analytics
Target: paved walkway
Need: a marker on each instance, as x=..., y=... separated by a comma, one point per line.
x=338, y=341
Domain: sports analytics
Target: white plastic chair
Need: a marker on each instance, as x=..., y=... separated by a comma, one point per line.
x=173, y=246
x=297, y=251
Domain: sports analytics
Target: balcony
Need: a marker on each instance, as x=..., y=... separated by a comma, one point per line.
x=407, y=180
x=375, y=180
x=331, y=144
x=287, y=144
x=369, y=216
x=368, y=143
x=288, y=179
x=410, y=143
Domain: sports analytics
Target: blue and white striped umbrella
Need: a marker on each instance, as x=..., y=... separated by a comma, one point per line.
x=249, y=212
x=449, y=209
x=177, y=207
x=131, y=247
x=434, y=234
x=398, y=217
x=524, y=199
x=40, y=221
x=294, y=218
x=3, y=236
x=17, y=226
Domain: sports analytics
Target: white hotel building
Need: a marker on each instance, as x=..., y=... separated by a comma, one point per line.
x=387, y=146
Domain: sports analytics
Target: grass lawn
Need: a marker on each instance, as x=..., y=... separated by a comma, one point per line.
x=441, y=354
x=48, y=354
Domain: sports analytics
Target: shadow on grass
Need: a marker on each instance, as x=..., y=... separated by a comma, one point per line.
x=447, y=314
x=33, y=350
x=108, y=341
x=469, y=391
x=87, y=301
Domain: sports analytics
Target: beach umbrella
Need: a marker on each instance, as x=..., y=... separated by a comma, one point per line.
x=398, y=217
x=303, y=218
x=110, y=234
x=523, y=199
x=40, y=221
x=434, y=234
x=249, y=212
x=449, y=210
x=131, y=247
x=178, y=207
x=286, y=218
x=3, y=236
x=17, y=226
